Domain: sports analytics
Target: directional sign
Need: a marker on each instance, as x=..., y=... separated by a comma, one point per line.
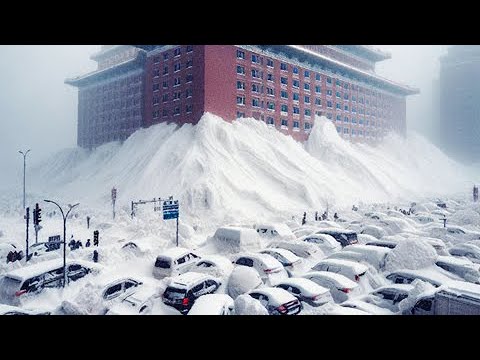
x=170, y=210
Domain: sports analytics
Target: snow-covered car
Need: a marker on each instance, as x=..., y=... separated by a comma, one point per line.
x=213, y=304
x=352, y=270
x=173, y=262
x=215, y=265
x=373, y=230
x=341, y=288
x=270, y=269
x=372, y=309
x=120, y=286
x=347, y=255
x=242, y=280
x=374, y=255
x=461, y=267
x=277, y=301
x=301, y=249
x=344, y=237
x=288, y=259
x=139, y=302
x=35, y=278
x=437, y=244
x=13, y=310
x=430, y=275
x=424, y=218
x=306, y=291
x=38, y=249
x=304, y=231
x=470, y=251
x=453, y=233
x=326, y=243
x=228, y=239
x=185, y=289
x=275, y=231
x=388, y=296
x=342, y=310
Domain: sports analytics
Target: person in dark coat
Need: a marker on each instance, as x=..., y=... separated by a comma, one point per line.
x=335, y=216
x=304, y=220
x=79, y=244
x=95, y=256
x=87, y=244
x=316, y=215
x=10, y=257
x=72, y=244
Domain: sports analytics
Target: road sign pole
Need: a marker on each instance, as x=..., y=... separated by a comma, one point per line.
x=177, y=231
x=27, y=218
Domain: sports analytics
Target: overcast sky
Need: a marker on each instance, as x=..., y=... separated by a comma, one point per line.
x=38, y=111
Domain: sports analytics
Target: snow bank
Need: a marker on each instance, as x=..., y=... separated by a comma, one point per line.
x=410, y=254
x=246, y=305
x=242, y=280
x=374, y=231
x=232, y=172
x=465, y=217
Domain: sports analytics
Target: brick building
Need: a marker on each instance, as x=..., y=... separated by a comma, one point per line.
x=282, y=85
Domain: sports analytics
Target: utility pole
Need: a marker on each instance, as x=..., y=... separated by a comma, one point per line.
x=114, y=199
x=27, y=219
x=65, y=216
x=177, y=229
x=24, y=170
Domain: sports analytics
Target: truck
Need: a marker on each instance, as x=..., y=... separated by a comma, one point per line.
x=457, y=298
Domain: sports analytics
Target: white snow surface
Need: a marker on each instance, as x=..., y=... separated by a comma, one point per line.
x=410, y=254
x=246, y=305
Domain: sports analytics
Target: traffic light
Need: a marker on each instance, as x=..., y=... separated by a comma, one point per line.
x=37, y=215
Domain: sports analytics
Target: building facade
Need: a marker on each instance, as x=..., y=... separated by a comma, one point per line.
x=283, y=85
x=458, y=102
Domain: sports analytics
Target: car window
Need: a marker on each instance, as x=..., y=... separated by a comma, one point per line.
x=162, y=263
x=193, y=256
x=400, y=297
x=74, y=267
x=444, y=266
x=283, y=286
x=425, y=304
x=143, y=308
x=204, y=264
x=197, y=288
x=387, y=295
x=129, y=284
x=255, y=295
x=113, y=289
x=295, y=290
x=181, y=260
x=245, y=261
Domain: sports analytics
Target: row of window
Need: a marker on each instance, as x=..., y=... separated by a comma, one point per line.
x=354, y=132
x=176, y=53
x=176, y=68
x=176, y=95
x=176, y=82
x=284, y=123
x=176, y=111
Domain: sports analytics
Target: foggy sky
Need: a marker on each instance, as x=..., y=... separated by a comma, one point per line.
x=38, y=111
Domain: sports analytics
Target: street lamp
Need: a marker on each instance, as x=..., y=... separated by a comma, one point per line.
x=65, y=216
x=24, y=168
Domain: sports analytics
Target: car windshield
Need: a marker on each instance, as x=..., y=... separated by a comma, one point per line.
x=352, y=237
x=162, y=263
x=174, y=293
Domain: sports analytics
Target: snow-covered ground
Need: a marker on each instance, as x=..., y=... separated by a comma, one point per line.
x=238, y=173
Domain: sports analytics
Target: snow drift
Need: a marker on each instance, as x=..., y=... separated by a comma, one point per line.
x=231, y=172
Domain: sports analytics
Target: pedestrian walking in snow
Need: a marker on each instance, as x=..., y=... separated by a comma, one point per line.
x=87, y=244
x=95, y=256
x=316, y=215
x=304, y=220
x=79, y=244
x=88, y=222
x=324, y=216
x=335, y=216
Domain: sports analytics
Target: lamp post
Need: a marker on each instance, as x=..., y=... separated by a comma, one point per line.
x=65, y=216
x=24, y=169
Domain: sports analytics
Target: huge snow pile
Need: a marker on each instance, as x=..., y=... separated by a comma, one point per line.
x=246, y=305
x=410, y=254
x=230, y=172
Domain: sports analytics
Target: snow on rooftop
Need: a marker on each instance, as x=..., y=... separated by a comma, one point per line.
x=340, y=279
x=277, y=295
x=357, y=267
x=307, y=285
x=174, y=253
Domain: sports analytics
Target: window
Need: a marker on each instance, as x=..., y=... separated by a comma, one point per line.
x=255, y=102
x=329, y=116
x=165, y=84
x=256, y=88
x=338, y=95
x=354, y=121
x=345, y=130
x=284, y=94
x=189, y=64
x=345, y=107
x=240, y=100
x=329, y=92
x=353, y=132
x=318, y=89
x=354, y=109
x=338, y=106
x=308, y=112
x=296, y=96
x=284, y=123
x=189, y=78
x=270, y=105
x=155, y=114
x=177, y=67
x=306, y=74
x=425, y=304
x=270, y=63
x=255, y=59
x=256, y=73
x=270, y=121
x=354, y=98
x=284, y=108
x=156, y=100
x=240, y=85
x=360, y=121
x=296, y=110
x=339, y=129
x=164, y=97
x=329, y=104
x=296, y=125
x=296, y=84
x=177, y=52
x=284, y=81
x=197, y=288
x=240, y=70
x=270, y=91
x=306, y=86
x=307, y=99
x=318, y=77
x=308, y=126
x=165, y=56
x=165, y=70
x=270, y=77
x=338, y=83
x=156, y=72
x=176, y=81
x=329, y=81
x=295, y=70
x=345, y=96
x=156, y=59
x=188, y=109
x=240, y=114
x=177, y=95
x=345, y=119
x=188, y=93
x=176, y=112
x=189, y=48
x=165, y=112
x=240, y=54
x=156, y=87
x=338, y=117
x=318, y=101
x=283, y=67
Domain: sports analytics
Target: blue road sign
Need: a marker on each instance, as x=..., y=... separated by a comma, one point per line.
x=170, y=210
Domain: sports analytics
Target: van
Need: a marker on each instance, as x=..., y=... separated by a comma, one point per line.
x=33, y=279
x=231, y=238
x=173, y=262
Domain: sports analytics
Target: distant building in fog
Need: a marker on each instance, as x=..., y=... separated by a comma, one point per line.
x=284, y=86
x=459, y=102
